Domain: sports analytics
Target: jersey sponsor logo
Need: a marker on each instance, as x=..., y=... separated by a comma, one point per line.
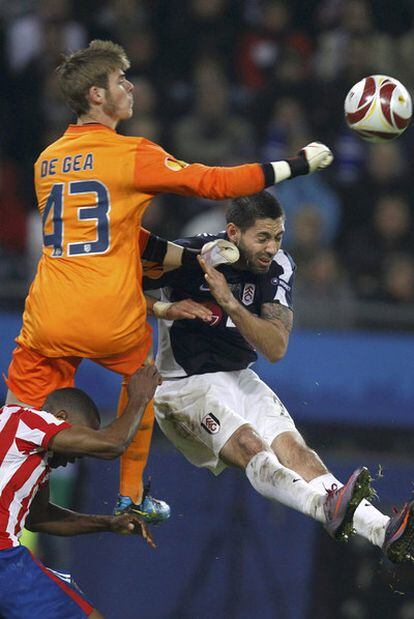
x=175, y=164
x=248, y=294
x=216, y=311
x=211, y=424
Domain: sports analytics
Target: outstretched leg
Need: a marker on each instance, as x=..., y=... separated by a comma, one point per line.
x=292, y=451
x=247, y=450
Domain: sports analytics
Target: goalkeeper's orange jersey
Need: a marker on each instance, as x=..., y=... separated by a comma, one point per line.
x=93, y=186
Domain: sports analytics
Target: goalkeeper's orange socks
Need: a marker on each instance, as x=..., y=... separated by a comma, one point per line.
x=134, y=460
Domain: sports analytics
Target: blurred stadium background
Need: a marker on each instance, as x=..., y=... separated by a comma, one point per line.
x=224, y=82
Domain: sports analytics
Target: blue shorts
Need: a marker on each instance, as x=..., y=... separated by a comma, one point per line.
x=29, y=590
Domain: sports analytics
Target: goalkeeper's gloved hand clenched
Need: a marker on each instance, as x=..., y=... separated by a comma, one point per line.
x=311, y=158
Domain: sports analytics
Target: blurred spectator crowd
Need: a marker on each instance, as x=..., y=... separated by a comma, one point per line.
x=225, y=82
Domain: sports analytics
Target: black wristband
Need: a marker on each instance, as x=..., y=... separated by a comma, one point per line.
x=298, y=165
x=156, y=249
x=189, y=257
x=269, y=174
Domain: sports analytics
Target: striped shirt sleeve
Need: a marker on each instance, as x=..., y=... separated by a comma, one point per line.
x=36, y=428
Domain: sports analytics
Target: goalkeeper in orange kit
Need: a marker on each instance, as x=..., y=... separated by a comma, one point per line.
x=93, y=186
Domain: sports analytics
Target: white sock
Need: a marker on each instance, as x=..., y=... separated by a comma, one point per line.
x=277, y=483
x=368, y=520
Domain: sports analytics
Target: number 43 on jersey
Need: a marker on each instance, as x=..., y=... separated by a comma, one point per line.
x=98, y=210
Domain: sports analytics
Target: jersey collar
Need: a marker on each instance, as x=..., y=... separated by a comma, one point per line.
x=87, y=127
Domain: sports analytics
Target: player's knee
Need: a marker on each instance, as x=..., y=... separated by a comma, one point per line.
x=248, y=443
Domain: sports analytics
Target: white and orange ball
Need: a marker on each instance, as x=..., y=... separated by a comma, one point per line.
x=378, y=108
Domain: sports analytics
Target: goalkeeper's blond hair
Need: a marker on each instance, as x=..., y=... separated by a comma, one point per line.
x=89, y=67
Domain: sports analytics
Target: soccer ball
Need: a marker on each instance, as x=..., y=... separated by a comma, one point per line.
x=378, y=108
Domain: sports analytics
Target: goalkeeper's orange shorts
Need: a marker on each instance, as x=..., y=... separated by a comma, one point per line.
x=33, y=376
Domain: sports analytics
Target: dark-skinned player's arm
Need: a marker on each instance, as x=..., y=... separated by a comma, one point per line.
x=267, y=333
x=46, y=517
x=112, y=441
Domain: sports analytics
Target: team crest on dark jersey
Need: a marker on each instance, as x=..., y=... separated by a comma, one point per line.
x=211, y=424
x=248, y=294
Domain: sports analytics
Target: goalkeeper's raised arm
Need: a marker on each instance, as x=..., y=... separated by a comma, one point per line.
x=159, y=172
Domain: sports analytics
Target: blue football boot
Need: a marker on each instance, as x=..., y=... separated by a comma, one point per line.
x=150, y=510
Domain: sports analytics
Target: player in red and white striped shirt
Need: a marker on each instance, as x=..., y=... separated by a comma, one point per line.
x=31, y=443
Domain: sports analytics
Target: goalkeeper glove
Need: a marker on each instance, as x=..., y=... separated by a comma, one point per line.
x=315, y=156
x=218, y=252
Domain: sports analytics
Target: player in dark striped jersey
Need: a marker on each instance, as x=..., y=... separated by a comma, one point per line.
x=218, y=412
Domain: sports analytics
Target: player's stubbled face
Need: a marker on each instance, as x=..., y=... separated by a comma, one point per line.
x=119, y=100
x=259, y=244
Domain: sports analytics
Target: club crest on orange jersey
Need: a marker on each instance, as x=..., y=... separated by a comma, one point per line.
x=175, y=164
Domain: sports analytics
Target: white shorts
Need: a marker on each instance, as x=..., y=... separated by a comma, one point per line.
x=200, y=413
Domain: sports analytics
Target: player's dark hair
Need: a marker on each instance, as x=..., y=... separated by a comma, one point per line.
x=244, y=211
x=73, y=401
x=89, y=67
